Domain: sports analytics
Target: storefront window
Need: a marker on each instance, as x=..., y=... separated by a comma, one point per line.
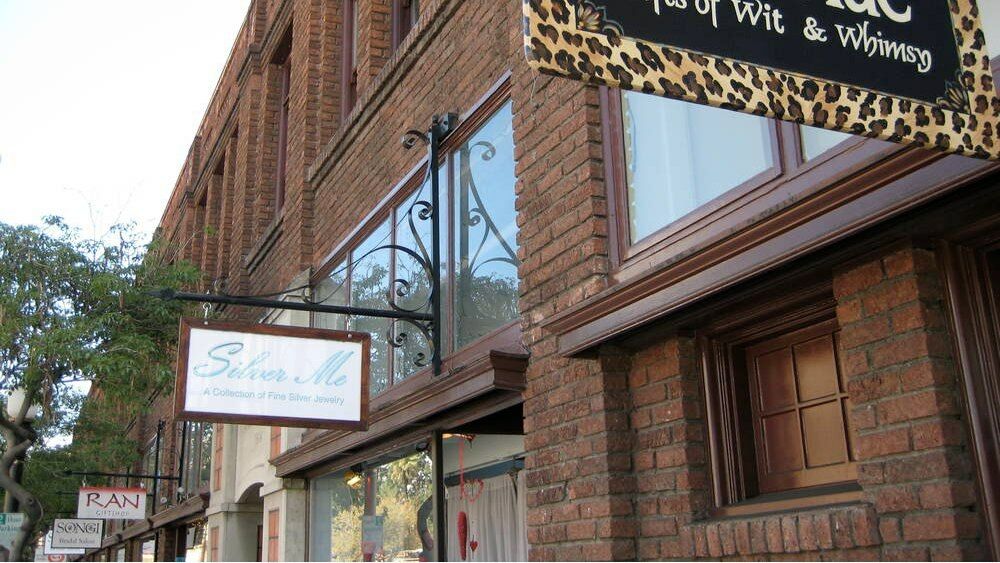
x=382, y=510
x=486, y=504
x=379, y=512
x=193, y=547
x=149, y=550
x=679, y=156
x=478, y=255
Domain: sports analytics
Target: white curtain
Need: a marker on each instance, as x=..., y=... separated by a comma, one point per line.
x=497, y=523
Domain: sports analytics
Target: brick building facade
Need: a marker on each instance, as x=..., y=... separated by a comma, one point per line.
x=801, y=364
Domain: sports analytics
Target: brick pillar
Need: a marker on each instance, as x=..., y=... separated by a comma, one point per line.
x=375, y=40
x=913, y=460
x=578, y=439
x=669, y=455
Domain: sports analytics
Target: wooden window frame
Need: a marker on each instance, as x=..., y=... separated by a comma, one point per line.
x=404, y=19
x=731, y=428
x=718, y=216
x=349, y=66
x=505, y=336
x=283, y=62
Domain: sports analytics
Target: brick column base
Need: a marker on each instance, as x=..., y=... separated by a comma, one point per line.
x=910, y=443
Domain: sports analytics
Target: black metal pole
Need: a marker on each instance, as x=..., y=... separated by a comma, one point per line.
x=436, y=135
x=123, y=475
x=156, y=464
x=287, y=305
x=182, y=456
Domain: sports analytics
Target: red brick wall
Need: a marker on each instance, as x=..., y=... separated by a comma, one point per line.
x=915, y=465
x=619, y=464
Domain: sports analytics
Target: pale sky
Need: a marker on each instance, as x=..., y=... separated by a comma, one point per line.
x=99, y=103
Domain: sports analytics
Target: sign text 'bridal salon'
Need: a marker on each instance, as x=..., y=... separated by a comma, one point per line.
x=909, y=71
x=272, y=375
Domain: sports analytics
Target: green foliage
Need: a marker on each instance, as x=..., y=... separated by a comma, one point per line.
x=75, y=311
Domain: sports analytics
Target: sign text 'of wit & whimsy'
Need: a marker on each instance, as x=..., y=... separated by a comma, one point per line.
x=907, y=71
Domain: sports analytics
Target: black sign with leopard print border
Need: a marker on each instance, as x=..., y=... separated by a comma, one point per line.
x=907, y=71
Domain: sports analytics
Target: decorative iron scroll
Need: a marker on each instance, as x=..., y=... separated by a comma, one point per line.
x=902, y=71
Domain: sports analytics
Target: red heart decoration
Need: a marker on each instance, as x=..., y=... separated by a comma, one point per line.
x=473, y=544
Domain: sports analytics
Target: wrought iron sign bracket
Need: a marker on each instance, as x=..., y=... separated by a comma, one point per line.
x=425, y=318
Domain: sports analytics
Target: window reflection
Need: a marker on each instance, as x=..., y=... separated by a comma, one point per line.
x=485, y=246
x=680, y=156
x=333, y=291
x=816, y=141
x=380, y=512
x=197, y=457
x=370, y=290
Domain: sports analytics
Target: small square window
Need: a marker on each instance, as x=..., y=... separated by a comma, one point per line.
x=779, y=415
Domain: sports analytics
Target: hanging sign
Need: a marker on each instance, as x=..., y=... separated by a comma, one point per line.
x=908, y=71
x=75, y=534
x=111, y=503
x=10, y=525
x=272, y=375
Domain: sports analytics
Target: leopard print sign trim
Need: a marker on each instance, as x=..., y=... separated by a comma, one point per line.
x=577, y=40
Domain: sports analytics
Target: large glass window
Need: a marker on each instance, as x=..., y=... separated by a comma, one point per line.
x=382, y=510
x=679, y=156
x=196, y=472
x=149, y=465
x=370, y=290
x=478, y=252
x=485, y=245
x=375, y=512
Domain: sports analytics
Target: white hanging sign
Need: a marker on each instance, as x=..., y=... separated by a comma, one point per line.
x=73, y=535
x=272, y=375
x=111, y=503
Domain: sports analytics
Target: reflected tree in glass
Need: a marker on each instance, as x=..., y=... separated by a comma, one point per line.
x=485, y=245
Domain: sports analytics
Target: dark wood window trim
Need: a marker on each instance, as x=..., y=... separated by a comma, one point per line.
x=971, y=266
x=857, y=184
x=731, y=430
x=283, y=62
x=719, y=215
x=283, y=114
x=506, y=337
x=349, y=66
x=405, y=14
